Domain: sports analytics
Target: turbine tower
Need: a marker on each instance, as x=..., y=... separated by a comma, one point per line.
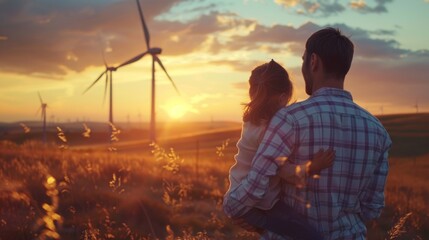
x=108, y=81
x=154, y=52
x=416, y=106
x=43, y=107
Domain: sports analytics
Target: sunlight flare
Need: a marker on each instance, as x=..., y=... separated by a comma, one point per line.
x=177, y=108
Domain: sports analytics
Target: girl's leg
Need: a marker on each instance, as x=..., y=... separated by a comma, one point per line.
x=286, y=221
x=282, y=220
x=256, y=218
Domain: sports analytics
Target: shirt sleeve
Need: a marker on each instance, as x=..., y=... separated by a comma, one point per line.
x=372, y=197
x=274, y=149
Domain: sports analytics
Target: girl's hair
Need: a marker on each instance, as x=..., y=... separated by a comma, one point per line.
x=267, y=82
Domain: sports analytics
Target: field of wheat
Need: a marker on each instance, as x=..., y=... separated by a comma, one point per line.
x=56, y=192
x=53, y=193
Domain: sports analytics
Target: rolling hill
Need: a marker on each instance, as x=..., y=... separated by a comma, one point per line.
x=409, y=132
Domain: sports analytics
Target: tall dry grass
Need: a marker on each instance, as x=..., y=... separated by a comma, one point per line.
x=54, y=192
x=106, y=195
x=406, y=215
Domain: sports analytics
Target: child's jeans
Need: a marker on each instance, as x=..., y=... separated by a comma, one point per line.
x=282, y=220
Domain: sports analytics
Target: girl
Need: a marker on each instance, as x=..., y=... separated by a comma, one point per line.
x=270, y=90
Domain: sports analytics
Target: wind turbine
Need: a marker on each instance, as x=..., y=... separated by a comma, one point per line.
x=108, y=81
x=43, y=107
x=417, y=106
x=154, y=52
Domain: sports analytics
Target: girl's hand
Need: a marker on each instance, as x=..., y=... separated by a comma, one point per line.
x=322, y=159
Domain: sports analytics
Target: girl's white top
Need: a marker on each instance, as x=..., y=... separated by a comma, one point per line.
x=251, y=136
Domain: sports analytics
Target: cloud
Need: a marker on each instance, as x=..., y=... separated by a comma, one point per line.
x=50, y=41
x=359, y=4
x=367, y=46
x=238, y=65
x=274, y=36
x=382, y=32
x=400, y=82
x=45, y=40
x=395, y=74
x=288, y=3
x=280, y=38
x=55, y=37
x=325, y=8
x=198, y=34
x=363, y=7
x=307, y=7
x=40, y=39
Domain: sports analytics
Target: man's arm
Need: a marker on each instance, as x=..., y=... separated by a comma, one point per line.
x=372, y=198
x=272, y=152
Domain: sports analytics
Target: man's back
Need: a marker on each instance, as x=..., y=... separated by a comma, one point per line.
x=351, y=191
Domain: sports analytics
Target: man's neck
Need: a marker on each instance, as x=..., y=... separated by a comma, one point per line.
x=330, y=83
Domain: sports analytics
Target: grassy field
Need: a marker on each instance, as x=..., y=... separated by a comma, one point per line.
x=173, y=190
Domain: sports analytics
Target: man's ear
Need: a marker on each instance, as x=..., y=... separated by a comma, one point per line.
x=314, y=62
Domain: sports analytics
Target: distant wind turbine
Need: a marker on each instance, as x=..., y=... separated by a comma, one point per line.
x=154, y=52
x=417, y=106
x=42, y=108
x=108, y=81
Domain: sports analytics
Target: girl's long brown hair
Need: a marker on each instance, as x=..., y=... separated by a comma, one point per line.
x=267, y=82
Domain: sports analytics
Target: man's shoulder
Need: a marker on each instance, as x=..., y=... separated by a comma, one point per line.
x=370, y=117
x=305, y=109
x=297, y=110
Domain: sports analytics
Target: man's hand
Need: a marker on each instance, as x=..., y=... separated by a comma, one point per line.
x=243, y=224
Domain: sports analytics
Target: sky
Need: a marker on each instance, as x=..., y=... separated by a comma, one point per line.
x=209, y=48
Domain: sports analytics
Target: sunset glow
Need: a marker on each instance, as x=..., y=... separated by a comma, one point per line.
x=209, y=49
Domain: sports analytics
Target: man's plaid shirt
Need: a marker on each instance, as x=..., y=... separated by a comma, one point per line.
x=346, y=194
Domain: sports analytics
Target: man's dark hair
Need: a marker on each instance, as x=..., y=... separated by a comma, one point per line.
x=334, y=49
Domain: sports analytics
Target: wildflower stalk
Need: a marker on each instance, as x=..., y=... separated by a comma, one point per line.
x=52, y=219
x=62, y=137
x=397, y=230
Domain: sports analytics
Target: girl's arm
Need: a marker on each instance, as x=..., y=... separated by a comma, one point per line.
x=295, y=173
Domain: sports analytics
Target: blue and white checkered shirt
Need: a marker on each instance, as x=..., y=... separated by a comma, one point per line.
x=346, y=194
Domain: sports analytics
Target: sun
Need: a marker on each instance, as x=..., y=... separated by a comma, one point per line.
x=177, y=108
x=177, y=111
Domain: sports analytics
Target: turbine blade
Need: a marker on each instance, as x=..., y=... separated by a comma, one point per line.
x=134, y=59
x=105, y=88
x=145, y=30
x=40, y=97
x=104, y=58
x=96, y=80
x=38, y=110
x=163, y=68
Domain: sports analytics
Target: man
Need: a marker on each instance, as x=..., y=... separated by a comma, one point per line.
x=349, y=193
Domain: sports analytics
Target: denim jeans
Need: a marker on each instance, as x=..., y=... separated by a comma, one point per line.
x=282, y=220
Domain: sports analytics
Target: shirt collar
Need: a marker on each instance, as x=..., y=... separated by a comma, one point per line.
x=333, y=92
